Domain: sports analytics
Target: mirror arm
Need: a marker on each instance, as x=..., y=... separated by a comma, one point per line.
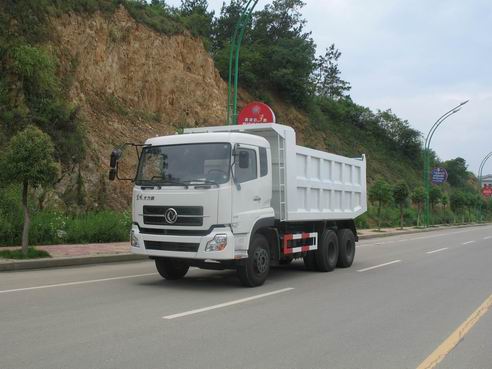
x=117, y=154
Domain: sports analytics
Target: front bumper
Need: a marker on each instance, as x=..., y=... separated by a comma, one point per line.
x=234, y=250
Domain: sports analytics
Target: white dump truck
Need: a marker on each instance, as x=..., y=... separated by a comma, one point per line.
x=243, y=197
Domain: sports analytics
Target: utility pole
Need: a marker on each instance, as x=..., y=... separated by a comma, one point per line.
x=427, y=159
x=237, y=38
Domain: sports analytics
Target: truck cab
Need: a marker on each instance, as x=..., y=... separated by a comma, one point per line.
x=198, y=196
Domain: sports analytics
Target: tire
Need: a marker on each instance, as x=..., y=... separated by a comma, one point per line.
x=346, y=249
x=171, y=269
x=327, y=253
x=254, y=270
x=310, y=261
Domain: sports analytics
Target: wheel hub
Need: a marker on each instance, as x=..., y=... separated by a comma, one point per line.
x=261, y=260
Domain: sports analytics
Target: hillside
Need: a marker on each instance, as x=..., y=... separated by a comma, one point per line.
x=128, y=81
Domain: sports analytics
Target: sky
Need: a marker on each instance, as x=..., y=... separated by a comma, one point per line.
x=419, y=58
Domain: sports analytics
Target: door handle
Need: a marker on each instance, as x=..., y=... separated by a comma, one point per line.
x=257, y=198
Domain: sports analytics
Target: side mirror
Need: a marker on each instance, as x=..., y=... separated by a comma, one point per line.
x=243, y=159
x=113, y=163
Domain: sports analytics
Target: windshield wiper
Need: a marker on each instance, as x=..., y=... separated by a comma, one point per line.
x=168, y=182
x=202, y=182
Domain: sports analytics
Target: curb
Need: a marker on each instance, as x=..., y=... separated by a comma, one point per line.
x=67, y=261
x=414, y=231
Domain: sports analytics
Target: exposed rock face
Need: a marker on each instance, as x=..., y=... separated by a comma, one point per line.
x=132, y=83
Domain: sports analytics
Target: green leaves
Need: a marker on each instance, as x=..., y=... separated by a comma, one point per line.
x=29, y=158
x=401, y=193
x=36, y=68
x=380, y=192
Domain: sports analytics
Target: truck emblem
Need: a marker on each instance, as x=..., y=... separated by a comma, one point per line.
x=171, y=215
x=144, y=197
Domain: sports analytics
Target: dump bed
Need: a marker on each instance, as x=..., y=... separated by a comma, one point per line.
x=307, y=184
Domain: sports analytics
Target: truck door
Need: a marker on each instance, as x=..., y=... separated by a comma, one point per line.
x=246, y=201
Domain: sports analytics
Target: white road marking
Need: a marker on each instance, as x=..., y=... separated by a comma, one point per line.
x=487, y=238
x=434, y=251
x=225, y=304
x=468, y=242
x=379, y=266
x=77, y=283
x=414, y=238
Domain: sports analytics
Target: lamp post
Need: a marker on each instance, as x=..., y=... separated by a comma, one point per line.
x=480, y=170
x=428, y=140
x=236, y=41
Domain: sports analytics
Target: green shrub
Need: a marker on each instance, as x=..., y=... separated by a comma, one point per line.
x=105, y=226
x=32, y=253
x=50, y=227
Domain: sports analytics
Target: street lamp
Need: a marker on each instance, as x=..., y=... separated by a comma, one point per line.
x=428, y=140
x=480, y=170
x=236, y=41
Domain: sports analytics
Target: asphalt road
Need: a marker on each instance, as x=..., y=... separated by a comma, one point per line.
x=398, y=303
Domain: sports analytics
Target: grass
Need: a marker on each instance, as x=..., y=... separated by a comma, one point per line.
x=32, y=253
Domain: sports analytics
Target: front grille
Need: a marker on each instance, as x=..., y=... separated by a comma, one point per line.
x=187, y=215
x=171, y=246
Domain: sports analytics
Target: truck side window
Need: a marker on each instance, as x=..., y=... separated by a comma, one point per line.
x=263, y=162
x=249, y=173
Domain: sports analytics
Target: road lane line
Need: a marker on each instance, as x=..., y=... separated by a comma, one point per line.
x=452, y=341
x=77, y=283
x=487, y=238
x=438, y=250
x=225, y=304
x=379, y=266
x=414, y=238
x=468, y=242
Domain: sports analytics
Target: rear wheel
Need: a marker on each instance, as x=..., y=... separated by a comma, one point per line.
x=346, y=240
x=171, y=269
x=327, y=253
x=254, y=271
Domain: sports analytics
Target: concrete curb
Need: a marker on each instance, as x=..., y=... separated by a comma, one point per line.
x=67, y=261
x=414, y=231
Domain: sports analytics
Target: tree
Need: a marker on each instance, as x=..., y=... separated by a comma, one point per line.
x=29, y=161
x=435, y=196
x=457, y=201
x=400, y=195
x=276, y=53
x=405, y=138
x=196, y=17
x=327, y=80
x=380, y=193
x=444, y=201
x=457, y=173
x=418, y=197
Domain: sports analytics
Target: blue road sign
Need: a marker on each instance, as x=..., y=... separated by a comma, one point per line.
x=439, y=175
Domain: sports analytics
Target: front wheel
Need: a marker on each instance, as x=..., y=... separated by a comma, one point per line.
x=171, y=269
x=254, y=270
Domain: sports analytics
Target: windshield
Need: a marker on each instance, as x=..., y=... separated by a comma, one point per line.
x=207, y=163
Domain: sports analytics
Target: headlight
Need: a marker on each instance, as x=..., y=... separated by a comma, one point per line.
x=218, y=243
x=133, y=239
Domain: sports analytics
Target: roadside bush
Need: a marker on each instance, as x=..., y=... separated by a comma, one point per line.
x=105, y=226
x=50, y=227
